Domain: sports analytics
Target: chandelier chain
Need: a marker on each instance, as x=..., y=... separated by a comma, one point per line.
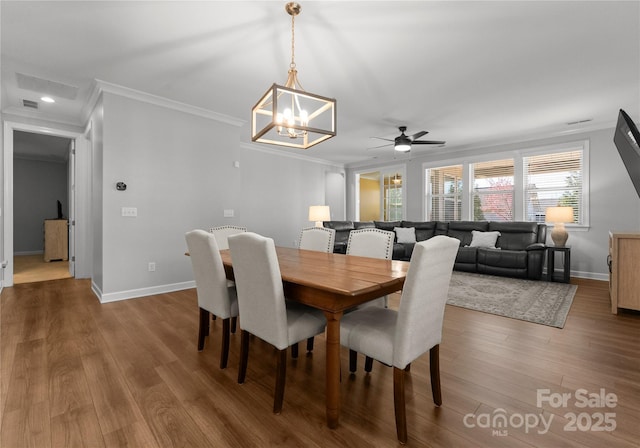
x=293, y=41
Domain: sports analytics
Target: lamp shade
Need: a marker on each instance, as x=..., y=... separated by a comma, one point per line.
x=559, y=214
x=319, y=213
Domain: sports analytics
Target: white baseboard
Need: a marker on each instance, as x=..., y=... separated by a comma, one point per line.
x=590, y=275
x=29, y=252
x=142, y=292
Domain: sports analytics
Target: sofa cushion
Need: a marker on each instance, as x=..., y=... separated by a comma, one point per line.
x=387, y=225
x=424, y=230
x=512, y=259
x=462, y=230
x=363, y=225
x=405, y=234
x=338, y=225
x=467, y=255
x=484, y=239
x=515, y=235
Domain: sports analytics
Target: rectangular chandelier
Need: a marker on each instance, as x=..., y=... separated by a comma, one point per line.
x=289, y=117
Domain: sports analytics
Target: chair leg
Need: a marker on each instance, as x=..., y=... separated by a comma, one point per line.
x=224, y=351
x=281, y=375
x=294, y=351
x=234, y=323
x=434, y=367
x=399, y=405
x=310, y=344
x=353, y=361
x=368, y=364
x=203, y=328
x=244, y=355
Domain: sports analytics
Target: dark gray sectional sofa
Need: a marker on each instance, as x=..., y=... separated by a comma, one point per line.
x=519, y=250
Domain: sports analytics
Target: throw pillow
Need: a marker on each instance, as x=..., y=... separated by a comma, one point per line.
x=405, y=234
x=484, y=239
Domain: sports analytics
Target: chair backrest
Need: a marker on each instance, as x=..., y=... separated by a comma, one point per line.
x=424, y=296
x=259, y=284
x=224, y=232
x=320, y=239
x=374, y=243
x=208, y=270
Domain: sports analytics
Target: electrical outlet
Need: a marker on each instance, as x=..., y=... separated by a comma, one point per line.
x=152, y=266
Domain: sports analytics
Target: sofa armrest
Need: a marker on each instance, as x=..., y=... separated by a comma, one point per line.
x=535, y=246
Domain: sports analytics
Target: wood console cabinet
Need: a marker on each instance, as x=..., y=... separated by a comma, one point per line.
x=56, y=240
x=624, y=281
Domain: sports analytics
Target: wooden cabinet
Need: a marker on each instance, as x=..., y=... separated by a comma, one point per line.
x=56, y=239
x=624, y=281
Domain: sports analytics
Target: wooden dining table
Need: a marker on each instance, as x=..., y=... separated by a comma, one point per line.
x=333, y=283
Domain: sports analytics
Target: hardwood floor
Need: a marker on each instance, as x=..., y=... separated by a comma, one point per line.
x=33, y=268
x=78, y=373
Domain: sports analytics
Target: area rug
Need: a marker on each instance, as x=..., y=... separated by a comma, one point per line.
x=534, y=301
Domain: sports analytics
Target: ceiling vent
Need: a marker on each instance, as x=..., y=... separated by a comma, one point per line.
x=29, y=103
x=45, y=86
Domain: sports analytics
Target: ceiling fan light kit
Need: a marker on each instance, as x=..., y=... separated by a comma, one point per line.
x=287, y=115
x=403, y=143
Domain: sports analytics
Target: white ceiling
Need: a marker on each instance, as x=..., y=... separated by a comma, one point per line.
x=472, y=73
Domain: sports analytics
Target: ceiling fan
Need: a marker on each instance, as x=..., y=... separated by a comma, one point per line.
x=403, y=143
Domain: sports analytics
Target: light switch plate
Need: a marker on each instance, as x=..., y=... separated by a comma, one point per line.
x=228, y=213
x=130, y=212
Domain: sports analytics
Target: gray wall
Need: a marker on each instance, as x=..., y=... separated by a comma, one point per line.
x=180, y=174
x=613, y=202
x=37, y=185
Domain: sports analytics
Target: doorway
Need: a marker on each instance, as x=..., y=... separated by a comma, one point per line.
x=42, y=177
x=380, y=194
x=73, y=199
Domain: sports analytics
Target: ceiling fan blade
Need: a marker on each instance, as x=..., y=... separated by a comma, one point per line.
x=381, y=146
x=417, y=135
x=386, y=139
x=427, y=142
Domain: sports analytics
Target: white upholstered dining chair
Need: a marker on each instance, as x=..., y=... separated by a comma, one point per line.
x=371, y=242
x=223, y=232
x=320, y=239
x=397, y=338
x=215, y=296
x=264, y=310
x=374, y=243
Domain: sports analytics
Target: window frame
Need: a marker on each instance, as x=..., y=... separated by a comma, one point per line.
x=518, y=156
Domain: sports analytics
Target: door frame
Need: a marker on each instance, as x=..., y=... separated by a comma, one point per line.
x=7, y=185
x=382, y=170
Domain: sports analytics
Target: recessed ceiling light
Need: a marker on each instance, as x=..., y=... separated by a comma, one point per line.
x=48, y=99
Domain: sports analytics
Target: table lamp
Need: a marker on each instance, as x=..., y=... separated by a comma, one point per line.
x=319, y=213
x=559, y=216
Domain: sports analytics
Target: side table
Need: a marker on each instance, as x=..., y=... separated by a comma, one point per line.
x=551, y=252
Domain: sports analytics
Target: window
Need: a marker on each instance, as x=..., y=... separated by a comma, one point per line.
x=445, y=192
x=553, y=180
x=493, y=191
x=392, y=210
x=517, y=185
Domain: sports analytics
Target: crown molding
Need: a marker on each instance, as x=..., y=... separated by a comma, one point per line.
x=100, y=87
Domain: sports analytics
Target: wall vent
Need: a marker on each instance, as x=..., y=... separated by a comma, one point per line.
x=29, y=103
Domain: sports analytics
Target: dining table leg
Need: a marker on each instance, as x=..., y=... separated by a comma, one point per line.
x=333, y=368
